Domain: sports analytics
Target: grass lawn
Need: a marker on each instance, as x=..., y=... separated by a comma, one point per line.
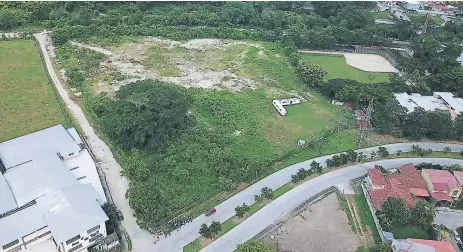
x=29, y=103
x=365, y=214
x=420, y=18
x=280, y=191
x=382, y=15
x=410, y=232
x=338, y=68
x=192, y=247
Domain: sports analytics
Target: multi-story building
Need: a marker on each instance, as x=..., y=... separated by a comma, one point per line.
x=50, y=193
x=442, y=186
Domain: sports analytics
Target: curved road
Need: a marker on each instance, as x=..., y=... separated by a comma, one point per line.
x=284, y=204
x=144, y=242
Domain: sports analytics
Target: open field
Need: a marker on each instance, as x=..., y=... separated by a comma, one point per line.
x=313, y=229
x=338, y=68
x=230, y=85
x=29, y=103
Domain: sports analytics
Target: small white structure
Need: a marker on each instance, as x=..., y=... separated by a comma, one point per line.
x=279, y=104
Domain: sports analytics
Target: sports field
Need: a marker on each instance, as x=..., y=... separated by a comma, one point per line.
x=338, y=68
x=29, y=103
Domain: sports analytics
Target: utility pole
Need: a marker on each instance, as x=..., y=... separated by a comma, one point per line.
x=364, y=126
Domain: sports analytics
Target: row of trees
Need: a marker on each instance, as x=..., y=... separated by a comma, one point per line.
x=266, y=194
x=303, y=173
x=391, y=118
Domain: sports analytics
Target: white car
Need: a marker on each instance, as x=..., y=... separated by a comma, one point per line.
x=457, y=236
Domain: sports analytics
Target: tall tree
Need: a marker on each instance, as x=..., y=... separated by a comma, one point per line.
x=423, y=214
x=416, y=124
x=394, y=209
x=311, y=74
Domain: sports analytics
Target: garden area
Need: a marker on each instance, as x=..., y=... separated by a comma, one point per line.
x=410, y=232
x=29, y=103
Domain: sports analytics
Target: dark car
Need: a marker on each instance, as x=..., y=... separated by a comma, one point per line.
x=119, y=215
x=210, y=212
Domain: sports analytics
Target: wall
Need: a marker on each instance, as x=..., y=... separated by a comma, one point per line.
x=427, y=181
x=86, y=239
x=373, y=211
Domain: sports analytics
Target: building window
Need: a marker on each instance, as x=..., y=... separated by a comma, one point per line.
x=75, y=243
x=11, y=244
x=97, y=232
x=38, y=237
x=75, y=248
x=73, y=239
x=95, y=238
x=93, y=229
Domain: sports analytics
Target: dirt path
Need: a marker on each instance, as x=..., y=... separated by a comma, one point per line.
x=357, y=222
x=118, y=185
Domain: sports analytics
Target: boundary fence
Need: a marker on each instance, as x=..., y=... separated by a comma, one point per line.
x=373, y=211
x=122, y=234
x=381, y=51
x=295, y=212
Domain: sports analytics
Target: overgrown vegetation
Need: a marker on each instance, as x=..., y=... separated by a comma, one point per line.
x=29, y=102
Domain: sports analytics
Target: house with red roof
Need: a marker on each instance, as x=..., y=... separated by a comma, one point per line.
x=459, y=176
x=442, y=186
x=406, y=184
x=419, y=245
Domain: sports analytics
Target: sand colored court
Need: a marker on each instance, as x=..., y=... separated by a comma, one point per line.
x=364, y=62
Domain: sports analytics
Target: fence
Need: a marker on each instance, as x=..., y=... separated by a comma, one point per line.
x=373, y=211
x=378, y=51
x=294, y=212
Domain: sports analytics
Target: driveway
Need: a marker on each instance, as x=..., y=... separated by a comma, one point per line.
x=450, y=218
x=144, y=242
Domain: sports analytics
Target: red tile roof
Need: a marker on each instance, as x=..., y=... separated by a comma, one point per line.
x=442, y=180
x=399, y=185
x=376, y=177
x=439, y=196
x=439, y=246
x=459, y=176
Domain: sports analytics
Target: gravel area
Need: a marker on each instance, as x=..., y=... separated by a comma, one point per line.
x=321, y=227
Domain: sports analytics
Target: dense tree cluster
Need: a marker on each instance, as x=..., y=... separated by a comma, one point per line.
x=390, y=118
x=254, y=246
x=394, y=214
x=146, y=114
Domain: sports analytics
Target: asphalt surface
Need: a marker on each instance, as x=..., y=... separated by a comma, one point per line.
x=142, y=241
x=284, y=204
x=450, y=218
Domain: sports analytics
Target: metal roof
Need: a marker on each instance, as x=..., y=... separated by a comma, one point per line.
x=7, y=201
x=21, y=223
x=71, y=211
x=54, y=139
x=449, y=99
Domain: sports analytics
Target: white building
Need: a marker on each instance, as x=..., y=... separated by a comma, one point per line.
x=279, y=104
x=439, y=100
x=50, y=193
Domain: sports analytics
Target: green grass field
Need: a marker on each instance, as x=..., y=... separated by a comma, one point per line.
x=29, y=103
x=382, y=15
x=338, y=68
x=365, y=214
x=410, y=232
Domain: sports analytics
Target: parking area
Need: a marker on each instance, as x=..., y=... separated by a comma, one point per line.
x=322, y=227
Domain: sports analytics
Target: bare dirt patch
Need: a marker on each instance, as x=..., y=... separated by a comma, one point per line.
x=181, y=64
x=369, y=63
x=321, y=227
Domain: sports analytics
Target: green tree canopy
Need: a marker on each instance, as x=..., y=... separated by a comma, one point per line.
x=423, y=214
x=394, y=210
x=146, y=114
x=254, y=246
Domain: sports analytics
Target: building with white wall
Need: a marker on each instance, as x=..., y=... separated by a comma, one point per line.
x=49, y=193
x=438, y=101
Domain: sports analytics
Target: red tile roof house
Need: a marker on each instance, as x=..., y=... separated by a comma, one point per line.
x=406, y=184
x=442, y=186
x=419, y=245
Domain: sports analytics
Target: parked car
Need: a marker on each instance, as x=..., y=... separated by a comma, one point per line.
x=457, y=236
x=119, y=215
x=210, y=212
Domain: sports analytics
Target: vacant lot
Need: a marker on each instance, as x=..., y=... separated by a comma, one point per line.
x=338, y=68
x=29, y=103
x=321, y=227
x=238, y=135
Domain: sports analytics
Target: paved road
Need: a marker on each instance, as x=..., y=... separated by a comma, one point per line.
x=142, y=241
x=452, y=219
x=280, y=207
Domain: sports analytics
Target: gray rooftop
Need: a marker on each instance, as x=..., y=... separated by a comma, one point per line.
x=7, y=201
x=36, y=172
x=54, y=139
x=44, y=174
x=71, y=211
x=20, y=223
x=449, y=99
